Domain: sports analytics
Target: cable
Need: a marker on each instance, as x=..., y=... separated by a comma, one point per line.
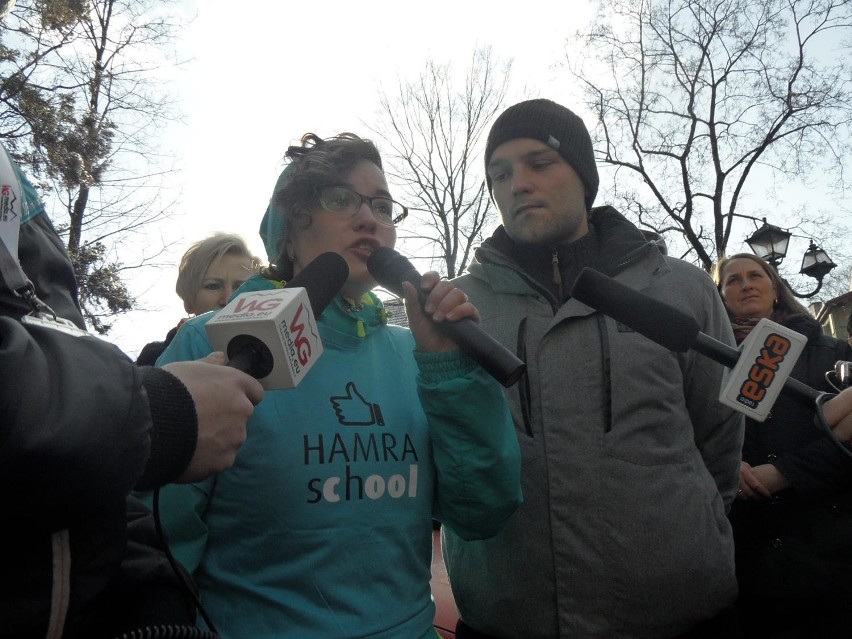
x=841, y=376
x=181, y=575
x=168, y=632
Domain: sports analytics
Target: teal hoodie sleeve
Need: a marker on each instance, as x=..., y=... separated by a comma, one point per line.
x=182, y=506
x=474, y=446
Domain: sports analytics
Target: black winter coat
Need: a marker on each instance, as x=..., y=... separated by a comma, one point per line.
x=80, y=426
x=798, y=544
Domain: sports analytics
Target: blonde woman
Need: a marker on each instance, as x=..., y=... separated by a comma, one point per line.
x=209, y=273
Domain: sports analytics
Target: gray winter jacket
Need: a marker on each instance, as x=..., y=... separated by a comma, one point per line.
x=629, y=461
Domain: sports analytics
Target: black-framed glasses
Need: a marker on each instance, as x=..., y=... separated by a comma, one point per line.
x=340, y=199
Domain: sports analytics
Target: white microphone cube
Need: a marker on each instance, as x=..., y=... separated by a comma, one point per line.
x=767, y=357
x=283, y=320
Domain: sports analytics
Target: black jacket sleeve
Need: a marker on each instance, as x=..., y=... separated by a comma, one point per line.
x=75, y=424
x=80, y=424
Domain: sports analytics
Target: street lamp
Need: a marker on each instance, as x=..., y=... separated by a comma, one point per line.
x=770, y=242
x=816, y=262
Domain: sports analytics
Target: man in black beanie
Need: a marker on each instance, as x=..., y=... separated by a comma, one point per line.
x=630, y=461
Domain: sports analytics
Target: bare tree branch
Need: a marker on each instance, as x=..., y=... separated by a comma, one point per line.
x=86, y=108
x=434, y=130
x=698, y=100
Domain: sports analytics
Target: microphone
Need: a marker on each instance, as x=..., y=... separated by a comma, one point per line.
x=390, y=269
x=272, y=334
x=760, y=368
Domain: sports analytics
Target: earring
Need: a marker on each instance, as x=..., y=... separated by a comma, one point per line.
x=290, y=254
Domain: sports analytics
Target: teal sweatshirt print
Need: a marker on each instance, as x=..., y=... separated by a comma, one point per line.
x=322, y=528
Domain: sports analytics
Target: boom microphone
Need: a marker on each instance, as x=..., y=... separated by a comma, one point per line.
x=760, y=368
x=272, y=334
x=390, y=269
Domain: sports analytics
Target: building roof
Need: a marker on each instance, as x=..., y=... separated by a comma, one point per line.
x=395, y=307
x=832, y=304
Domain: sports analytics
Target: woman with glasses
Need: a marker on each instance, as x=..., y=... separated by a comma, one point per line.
x=323, y=527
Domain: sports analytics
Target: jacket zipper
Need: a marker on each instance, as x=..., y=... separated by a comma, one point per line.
x=524, y=382
x=606, y=366
x=557, y=275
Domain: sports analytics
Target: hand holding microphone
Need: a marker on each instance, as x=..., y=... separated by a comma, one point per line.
x=390, y=269
x=224, y=400
x=443, y=302
x=837, y=412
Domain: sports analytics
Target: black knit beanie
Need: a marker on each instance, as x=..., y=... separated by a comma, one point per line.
x=554, y=125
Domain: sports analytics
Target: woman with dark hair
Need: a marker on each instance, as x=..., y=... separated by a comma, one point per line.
x=323, y=528
x=792, y=519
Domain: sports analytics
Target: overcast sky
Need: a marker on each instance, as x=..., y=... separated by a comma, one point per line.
x=261, y=78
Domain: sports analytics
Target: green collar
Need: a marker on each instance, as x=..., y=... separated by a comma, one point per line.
x=342, y=315
x=360, y=319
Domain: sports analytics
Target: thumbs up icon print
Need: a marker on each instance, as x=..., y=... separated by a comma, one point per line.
x=353, y=410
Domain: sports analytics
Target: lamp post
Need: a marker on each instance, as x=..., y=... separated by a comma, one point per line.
x=770, y=242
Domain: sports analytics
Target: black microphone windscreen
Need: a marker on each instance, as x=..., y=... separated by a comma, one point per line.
x=322, y=278
x=656, y=320
x=390, y=269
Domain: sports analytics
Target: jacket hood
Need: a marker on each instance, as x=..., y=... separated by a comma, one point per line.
x=621, y=241
x=273, y=230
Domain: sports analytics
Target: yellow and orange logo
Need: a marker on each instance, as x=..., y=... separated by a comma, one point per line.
x=762, y=372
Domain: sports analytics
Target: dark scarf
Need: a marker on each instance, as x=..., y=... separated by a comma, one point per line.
x=743, y=326
x=804, y=324
x=556, y=266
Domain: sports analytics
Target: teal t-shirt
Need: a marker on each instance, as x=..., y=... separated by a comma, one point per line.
x=322, y=528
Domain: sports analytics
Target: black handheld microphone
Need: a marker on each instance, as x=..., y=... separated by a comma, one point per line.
x=272, y=334
x=390, y=269
x=668, y=326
